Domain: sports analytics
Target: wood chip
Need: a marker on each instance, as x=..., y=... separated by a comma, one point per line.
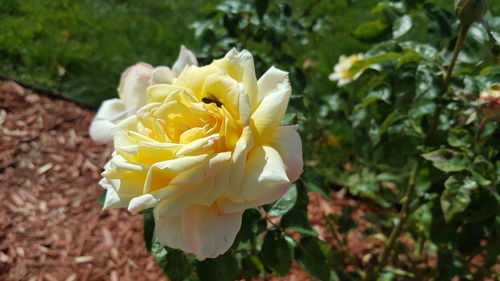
x=84, y=259
x=72, y=277
x=44, y=168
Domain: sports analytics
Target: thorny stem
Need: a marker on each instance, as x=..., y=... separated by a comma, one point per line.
x=343, y=248
x=396, y=231
x=410, y=191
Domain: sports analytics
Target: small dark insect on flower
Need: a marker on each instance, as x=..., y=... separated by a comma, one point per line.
x=212, y=99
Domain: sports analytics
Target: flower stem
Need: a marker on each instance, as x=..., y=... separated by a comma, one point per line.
x=458, y=47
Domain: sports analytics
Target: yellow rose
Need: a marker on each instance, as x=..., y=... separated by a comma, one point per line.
x=490, y=97
x=341, y=70
x=204, y=149
x=132, y=93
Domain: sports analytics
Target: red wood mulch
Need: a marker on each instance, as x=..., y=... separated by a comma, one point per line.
x=50, y=225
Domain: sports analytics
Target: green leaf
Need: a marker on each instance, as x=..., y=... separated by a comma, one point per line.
x=276, y=253
x=364, y=183
x=422, y=109
x=389, y=120
x=425, y=50
x=405, y=89
x=149, y=227
x=401, y=26
x=447, y=160
x=310, y=257
x=173, y=262
x=222, y=268
x=422, y=218
x=357, y=66
x=102, y=198
x=483, y=171
x=159, y=253
x=443, y=18
x=251, y=267
x=380, y=94
x=370, y=30
x=460, y=138
x=296, y=220
x=177, y=266
x=456, y=197
x=474, y=45
x=285, y=203
x=251, y=226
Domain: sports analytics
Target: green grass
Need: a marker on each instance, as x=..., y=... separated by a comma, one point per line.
x=90, y=42
x=79, y=48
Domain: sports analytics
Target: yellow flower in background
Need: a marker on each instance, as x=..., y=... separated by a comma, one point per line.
x=490, y=97
x=202, y=150
x=132, y=93
x=341, y=69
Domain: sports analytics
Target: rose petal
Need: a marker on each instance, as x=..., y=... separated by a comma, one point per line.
x=264, y=169
x=186, y=57
x=239, y=158
x=244, y=109
x=198, y=185
x=225, y=89
x=267, y=117
x=199, y=230
x=198, y=146
x=159, y=174
x=268, y=82
x=133, y=84
x=228, y=206
x=243, y=70
x=287, y=142
x=112, y=199
x=101, y=128
x=193, y=78
x=182, y=190
x=162, y=75
x=162, y=93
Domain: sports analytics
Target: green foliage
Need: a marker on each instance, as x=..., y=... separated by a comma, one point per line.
x=277, y=253
x=285, y=203
x=400, y=123
x=149, y=227
x=224, y=268
x=310, y=256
